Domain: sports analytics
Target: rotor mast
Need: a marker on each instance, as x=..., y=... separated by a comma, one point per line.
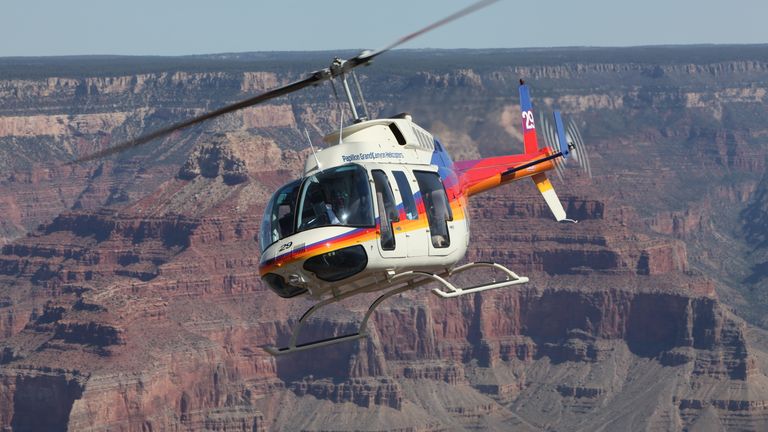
x=339, y=69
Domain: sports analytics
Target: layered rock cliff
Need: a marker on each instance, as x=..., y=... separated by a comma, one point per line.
x=139, y=322
x=130, y=299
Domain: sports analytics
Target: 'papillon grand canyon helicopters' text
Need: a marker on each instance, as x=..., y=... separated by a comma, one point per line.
x=384, y=208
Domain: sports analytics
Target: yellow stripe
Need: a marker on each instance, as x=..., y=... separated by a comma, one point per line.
x=405, y=225
x=542, y=182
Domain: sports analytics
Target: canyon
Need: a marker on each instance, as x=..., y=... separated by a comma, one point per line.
x=129, y=292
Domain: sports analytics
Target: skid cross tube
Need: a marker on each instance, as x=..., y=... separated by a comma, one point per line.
x=512, y=279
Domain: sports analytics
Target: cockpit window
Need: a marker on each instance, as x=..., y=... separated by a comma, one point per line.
x=337, y=196
x=279, y=215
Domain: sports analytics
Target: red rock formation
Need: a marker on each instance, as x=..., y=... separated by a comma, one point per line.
x=152, y=311
x=150, y=315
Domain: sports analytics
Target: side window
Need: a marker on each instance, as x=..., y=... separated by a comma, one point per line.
x=409, y=205
x=387, y=210
x=437, y=206
x=278, y=216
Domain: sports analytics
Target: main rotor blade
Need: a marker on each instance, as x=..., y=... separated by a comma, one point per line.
x=366, y=57
x=316, y=77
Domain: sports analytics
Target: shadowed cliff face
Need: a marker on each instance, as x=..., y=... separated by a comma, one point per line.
x=129, y=293
x=755, y=228
x=53, y=395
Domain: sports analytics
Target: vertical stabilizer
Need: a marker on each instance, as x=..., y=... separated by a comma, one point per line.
x=529, y=125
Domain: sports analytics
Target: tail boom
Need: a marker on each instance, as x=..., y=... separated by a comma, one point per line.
x=485, y=174
x=481, y=175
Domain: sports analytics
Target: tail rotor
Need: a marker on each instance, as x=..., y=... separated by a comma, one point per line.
x=576, y=142
x=568, y=141
x=550, y=138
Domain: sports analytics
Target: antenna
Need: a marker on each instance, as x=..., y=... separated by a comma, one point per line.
x=306, y=132
x=341, y=124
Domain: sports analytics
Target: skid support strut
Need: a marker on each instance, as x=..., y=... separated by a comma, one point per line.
x=398, y=283
x=292, y=347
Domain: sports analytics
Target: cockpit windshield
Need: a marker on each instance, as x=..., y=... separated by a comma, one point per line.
x=337, y=196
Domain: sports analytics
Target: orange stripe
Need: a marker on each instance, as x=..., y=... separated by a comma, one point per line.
x=322, y=247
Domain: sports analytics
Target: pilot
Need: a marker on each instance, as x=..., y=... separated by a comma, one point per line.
x=331, y=215
x=338, y=208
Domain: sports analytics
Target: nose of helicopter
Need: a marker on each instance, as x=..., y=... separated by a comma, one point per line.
x=320, y=256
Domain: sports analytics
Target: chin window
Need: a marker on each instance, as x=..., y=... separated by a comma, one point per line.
x=339, y=264
x=281, y=287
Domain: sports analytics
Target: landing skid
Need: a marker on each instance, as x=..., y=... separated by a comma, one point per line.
x=402, y=282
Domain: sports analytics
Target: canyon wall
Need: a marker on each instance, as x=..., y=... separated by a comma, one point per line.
x=129, y=291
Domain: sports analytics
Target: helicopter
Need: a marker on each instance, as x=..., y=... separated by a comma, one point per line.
x=383, y=208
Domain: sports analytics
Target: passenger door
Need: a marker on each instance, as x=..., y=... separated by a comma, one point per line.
x=438, y=210
x=413, y=227
x=387, y=216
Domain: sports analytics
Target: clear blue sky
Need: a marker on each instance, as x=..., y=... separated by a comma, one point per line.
x=178, y=27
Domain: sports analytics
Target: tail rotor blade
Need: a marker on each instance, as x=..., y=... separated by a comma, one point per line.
x=567, y=140
x=550, y=135
x=580, y=149
x=560, y=168
x=574, y=143
x=587, y=162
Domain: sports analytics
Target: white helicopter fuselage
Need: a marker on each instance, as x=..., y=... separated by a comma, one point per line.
x=391, y=168
x=384, y=208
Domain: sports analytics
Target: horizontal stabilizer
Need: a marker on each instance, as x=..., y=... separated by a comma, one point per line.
x=550, y=196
